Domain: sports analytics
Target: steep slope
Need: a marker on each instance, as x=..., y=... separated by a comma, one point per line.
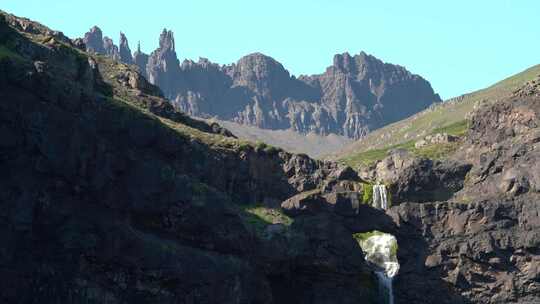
x=449, y=116
x=355, y=95
x=109, y=195
x=484, y=245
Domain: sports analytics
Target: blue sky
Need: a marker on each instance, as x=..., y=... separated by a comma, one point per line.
x=458, y=45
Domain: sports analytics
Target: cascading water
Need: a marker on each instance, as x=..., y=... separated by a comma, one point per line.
x=380, y=197
x=380, y=249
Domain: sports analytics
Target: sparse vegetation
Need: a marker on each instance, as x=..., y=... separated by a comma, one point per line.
x=449, y=116
x=434, y=151
x=367, y=193
x=259, y=217
x=6, y=52
x=456, y=129
x=369, y=157
x=360, y=237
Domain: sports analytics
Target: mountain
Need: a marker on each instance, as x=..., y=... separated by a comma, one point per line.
x=354, y=96
x=449, y=117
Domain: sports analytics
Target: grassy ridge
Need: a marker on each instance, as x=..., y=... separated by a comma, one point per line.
x=450, y=117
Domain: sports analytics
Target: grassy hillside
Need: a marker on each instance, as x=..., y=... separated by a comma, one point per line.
x=449, y=116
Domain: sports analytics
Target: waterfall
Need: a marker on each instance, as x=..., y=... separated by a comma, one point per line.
x=380, y=198
x=380, y=249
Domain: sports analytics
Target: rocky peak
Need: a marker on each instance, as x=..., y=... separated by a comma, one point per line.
x=261, y=73
x=166, y=40
x=125, y=51
x=355, y=95
x=110, y=49
x=163, y=67
x=94, y=40
x=344, y=62
x=140, y=59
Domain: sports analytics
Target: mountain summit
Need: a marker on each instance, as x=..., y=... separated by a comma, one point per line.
x=354, y=96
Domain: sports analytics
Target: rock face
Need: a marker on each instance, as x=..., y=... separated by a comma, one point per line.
x=124, y=50
x=109, y=195
x=504, y=147
x=355, y=95
x=163, y=67
x=94, y=41
x=468, y=253
x=110, y=49
x=418, y=179
x=97, y=44
x=140, y=59
x=439, y=138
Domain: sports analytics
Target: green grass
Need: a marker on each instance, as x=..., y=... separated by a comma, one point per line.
x=259, y=217
x=369, y=157
x=449, y=116
x=367, y=193
x=6, y=52
x=363, y=236
x=456, y=129
x=436, y=151
x=433, y=151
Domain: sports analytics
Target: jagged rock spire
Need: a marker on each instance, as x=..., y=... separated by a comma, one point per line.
x=125, y=52
x=166, y=40
x=94, y=40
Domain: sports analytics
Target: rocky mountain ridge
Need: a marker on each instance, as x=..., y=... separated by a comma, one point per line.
x=355, y=95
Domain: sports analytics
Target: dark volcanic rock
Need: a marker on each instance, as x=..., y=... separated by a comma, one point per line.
x=468, y=253
x=504, y=147
x=414, y=179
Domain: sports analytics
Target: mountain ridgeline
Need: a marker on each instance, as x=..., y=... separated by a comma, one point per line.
x=355, y=95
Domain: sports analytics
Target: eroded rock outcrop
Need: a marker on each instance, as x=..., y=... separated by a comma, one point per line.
x=418, y=179
x=484, y=252
x=124, y=52
x=504, y=147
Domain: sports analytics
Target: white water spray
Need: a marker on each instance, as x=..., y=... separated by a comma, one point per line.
x=380, y=249
x=380, y=197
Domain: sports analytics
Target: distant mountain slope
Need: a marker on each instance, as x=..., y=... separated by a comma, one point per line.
x=354, y=96
x=449, y=116
x=312, y=144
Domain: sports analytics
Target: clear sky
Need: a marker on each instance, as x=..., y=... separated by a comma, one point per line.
x=458, y=45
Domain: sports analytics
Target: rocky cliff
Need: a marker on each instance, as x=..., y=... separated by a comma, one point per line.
x=353, y=96
x=481, y=252
x=109, y=195
x=479, y=243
